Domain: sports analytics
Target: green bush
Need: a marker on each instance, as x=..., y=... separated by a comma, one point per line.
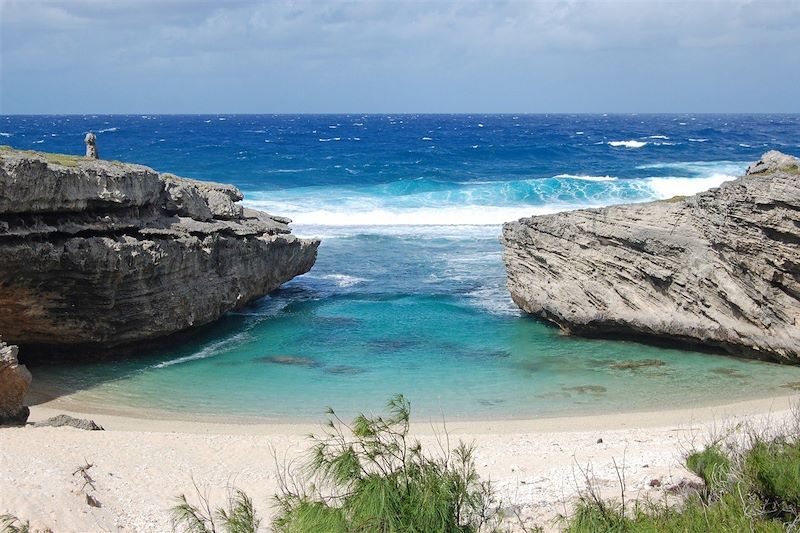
x=730, y=513
x=371, y=477
x=773, y=467
x=711, y=465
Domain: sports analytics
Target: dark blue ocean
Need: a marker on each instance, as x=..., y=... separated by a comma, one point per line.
x=408, y=293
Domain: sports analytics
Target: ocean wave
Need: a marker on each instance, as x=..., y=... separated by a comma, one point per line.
x=697, y=140
x=584, y=178
x=658, y=137
x=330, y=139
x=343, y=280
x=669, y=187
x=698, y=168
x=213, y=349
x=4, y=134
x=495, y=300
x=628, y=144
x=432, y=202
x=107, y=130
x=468, y=215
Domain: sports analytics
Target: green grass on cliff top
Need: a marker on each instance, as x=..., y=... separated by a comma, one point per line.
x=67, y=160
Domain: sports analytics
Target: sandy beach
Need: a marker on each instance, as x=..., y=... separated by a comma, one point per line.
x=141, y=464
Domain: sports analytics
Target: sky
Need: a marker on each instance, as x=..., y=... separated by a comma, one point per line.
x=182, y=56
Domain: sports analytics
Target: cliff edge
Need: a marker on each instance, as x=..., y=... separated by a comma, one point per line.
x=102, y=253
x=718, y=270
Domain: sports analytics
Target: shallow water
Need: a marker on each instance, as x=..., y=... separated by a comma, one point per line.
x=419, y=309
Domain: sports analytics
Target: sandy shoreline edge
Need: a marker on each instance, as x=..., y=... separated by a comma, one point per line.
x=141, y=464
x=147, y=420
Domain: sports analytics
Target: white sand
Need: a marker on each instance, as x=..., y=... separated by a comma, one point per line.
x=141, y=464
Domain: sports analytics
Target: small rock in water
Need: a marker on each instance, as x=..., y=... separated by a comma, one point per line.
x=599, y=441
x=291, y=360
x=587, y=389
x=66, y=420
x=730, y=372
x=342, y=369
x=635, y=364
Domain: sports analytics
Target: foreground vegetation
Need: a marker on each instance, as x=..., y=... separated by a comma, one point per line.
x=369, y=476
x=751, y=482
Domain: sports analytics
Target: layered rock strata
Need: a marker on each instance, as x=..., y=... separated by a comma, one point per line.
x=719, y=270
x=102, y=253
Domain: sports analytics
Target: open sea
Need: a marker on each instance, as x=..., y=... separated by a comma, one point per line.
x=408, y=293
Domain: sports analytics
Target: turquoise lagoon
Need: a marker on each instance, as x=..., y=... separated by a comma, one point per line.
x=408, y=294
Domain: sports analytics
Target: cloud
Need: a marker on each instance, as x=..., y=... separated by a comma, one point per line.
x=317, y=49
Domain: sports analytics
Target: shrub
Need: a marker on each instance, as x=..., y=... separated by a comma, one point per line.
x=773, y=467
x=371, y=477
x=711, y=465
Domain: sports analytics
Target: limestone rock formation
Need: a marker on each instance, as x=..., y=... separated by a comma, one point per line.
x=91, y=145
x=14, y=382
x=60, y=421
x=101, y=253
x=720, y=269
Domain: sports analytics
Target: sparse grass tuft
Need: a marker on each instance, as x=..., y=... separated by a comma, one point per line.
x=12, y=524
x=752, y=483
x=239, y=517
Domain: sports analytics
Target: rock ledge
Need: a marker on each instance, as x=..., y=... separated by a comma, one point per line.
x=718, y=270
x=101, y=253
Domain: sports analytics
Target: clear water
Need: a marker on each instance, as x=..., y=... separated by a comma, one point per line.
x=408, y=291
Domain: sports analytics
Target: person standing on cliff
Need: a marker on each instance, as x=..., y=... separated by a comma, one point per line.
x=91, y=146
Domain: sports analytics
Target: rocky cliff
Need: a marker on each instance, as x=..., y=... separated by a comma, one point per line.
x=102, y=253
x=14, y=382
x=719, y=270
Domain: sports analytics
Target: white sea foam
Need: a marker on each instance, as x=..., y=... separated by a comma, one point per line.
x=584, y=177
x=106, y=130
x=343, y=280
x=426, y=139
x=668, y=187
x=578, y=133
x=211, y=350
x=495, y=300
x=4, y=134
x=628, y=144
x=658, y=137
x=330, y=139
x=40, y=141
x=460, y=215
x=697, y=140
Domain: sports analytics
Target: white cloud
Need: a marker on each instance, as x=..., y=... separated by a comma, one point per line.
x=438, y=44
